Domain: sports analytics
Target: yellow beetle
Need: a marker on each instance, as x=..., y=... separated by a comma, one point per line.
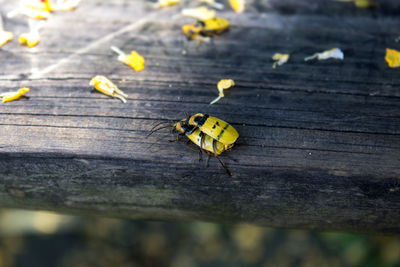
x=212, y=135
x=204, y=141
x=216, y=128
x=208, y=27
x=201, y=139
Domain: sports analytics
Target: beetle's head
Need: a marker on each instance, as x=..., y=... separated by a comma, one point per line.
x=191, y=30
x=183, y=127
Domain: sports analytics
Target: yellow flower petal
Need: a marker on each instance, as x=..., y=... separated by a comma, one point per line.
x=365, y=3
x=237, y=5
x=223, y=85
x=392, y=58
x=362, y=3
x=46, y=5
x=335, y=53
x=280, y=59
x=199, y=13
x=5, y=37
x=134, y=59
x=166, y=3
x=213, y=4
x=107, y=87
x=29, y=39
x=10, y=96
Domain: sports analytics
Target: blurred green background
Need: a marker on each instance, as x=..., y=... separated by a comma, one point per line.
x=43, y=239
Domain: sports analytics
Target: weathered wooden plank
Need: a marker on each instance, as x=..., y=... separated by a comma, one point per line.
x=319, y=142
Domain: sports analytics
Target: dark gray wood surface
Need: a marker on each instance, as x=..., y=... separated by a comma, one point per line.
x=319, y=144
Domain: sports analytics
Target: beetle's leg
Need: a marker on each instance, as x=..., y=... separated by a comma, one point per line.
x=200, y=39
x=225, y=168
x=200, y=155
x=178, y=138
x=173, y=140
x=189, y=146
x=202, y=140
x=213, y=146
x=220, y=161
x=201, y=146
x=198, y=42
x=208, y=160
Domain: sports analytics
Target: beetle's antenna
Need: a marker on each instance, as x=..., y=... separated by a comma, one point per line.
x=159, y=128
x=158, y=124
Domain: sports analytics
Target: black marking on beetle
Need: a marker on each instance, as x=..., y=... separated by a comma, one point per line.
x=200, y=120
x=200, y=23
x=222, y=132
x=189, y=129
x=215, y=124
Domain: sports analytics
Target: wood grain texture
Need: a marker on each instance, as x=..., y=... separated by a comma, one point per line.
x=319, y=144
